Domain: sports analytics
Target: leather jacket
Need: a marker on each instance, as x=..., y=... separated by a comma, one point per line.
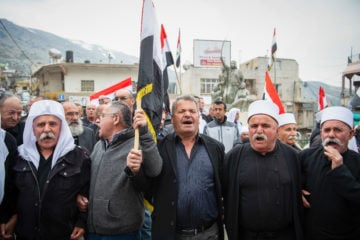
x=54, y=213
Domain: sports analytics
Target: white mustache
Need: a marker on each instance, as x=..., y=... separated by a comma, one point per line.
x=259, y=136
x=73, y=123
x=47, y=135
x=331, y=140
x=292, y=138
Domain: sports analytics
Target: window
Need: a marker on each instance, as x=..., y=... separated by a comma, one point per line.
x=207, y=85
x=87, y=85
x=278, y=89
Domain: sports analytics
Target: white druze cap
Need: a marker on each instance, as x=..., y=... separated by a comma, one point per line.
x=263, y=107
x=286, y=118
x=244, y=129
x=338, y=113
x=318, y=116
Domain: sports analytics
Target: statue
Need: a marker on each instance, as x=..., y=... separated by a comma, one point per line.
x=231, y=87
x=218, y=90
x=242, y=92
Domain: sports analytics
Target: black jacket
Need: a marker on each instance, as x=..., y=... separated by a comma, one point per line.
x=165, y=186
x=334, y=195
x=6, y=205
x=55, y=214
x=87, y=139
x=17, y=132
x=232, y=196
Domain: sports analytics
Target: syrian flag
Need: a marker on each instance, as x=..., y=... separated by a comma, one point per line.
x=110, y=91
x=167, y=60
x=322, y=102
x=271, y=94
x=150, y=81
x=178, y=51
x=272, y=51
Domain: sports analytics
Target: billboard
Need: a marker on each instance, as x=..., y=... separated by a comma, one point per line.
x=207, y=53
x=82, y=100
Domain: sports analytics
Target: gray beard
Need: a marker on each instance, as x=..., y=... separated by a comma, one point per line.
x=78, y=129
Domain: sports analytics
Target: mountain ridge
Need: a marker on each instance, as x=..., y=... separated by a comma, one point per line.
x=23, y=47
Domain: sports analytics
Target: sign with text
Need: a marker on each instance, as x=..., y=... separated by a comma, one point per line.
x=82, y=100
x=207, y=53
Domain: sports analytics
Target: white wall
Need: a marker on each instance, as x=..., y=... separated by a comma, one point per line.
x=103, y=77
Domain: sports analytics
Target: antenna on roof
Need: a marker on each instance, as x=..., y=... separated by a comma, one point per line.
x=111, y=57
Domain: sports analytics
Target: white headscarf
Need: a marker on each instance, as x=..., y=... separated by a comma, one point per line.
x=231, y=114
x=65, y=144
x=231, y=117
x=3, y=154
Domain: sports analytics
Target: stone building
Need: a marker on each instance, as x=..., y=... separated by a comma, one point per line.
x=285, y=77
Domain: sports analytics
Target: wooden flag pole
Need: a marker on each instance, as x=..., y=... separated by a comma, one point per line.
x=136, y=137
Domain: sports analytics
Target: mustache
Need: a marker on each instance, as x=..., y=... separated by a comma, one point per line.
x=259, y=136
x=73, y=123
x=47, y=136
x=327, y=141
x=292, y=138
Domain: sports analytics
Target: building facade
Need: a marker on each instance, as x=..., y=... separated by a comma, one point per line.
x=79, y=79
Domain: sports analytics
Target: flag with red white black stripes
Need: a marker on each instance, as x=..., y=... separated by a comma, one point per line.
x=271, y=94
x=109, y=92
x=178, y=51
x=272, y=51
x=150, y=79
x=167, y=61
x=322, y=102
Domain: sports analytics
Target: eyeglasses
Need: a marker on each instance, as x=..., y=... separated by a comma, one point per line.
x=121, y=98
x=106, y=114
x=13, y=113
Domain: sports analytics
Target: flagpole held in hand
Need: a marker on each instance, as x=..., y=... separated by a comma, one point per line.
x=136, y=137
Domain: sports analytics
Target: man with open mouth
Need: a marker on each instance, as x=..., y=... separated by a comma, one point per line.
x=262, y=193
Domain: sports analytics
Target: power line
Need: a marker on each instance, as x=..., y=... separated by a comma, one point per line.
x=16, y=44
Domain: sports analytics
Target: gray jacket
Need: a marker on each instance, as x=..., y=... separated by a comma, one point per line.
x=226, y=132
x=115, y=203
x=87, y=139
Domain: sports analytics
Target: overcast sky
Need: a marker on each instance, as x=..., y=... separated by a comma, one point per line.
x=318, y=34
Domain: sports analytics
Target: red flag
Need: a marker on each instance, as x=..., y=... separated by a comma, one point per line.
x=322, y=102
x=150, y=81
x=178, y=51
x=168, y=60
x=271, y=94
x=272, y=51
x=109, y=92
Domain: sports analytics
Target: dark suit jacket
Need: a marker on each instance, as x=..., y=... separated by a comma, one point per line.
x=87, y=139
x=165, y=186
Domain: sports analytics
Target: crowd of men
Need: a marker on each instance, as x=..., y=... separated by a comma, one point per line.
x=206, y=176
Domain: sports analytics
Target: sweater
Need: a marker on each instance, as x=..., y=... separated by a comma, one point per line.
x=115, y=202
